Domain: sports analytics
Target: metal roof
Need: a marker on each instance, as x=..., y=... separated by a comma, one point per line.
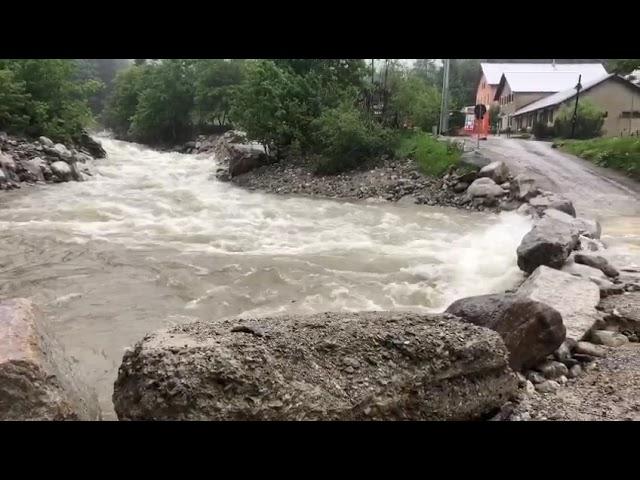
x=564, y=95
x=493, y=71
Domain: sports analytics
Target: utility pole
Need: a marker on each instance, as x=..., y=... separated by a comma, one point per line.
x=575, y=109
x=444, y=107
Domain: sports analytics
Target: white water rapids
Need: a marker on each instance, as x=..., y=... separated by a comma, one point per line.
x=152, y=239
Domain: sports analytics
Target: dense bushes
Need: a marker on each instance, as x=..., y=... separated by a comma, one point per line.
x=45, y=97
x=542, y=130
x=343, y=137
x=589, y=121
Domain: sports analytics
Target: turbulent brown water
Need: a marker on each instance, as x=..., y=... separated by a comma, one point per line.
x=153, y=240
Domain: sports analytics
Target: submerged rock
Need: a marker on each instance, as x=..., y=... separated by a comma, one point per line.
x=331, y=366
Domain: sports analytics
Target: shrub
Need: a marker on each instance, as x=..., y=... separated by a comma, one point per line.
x=588, y=123
x=619, y=153
x=344, y=137
x=433, y=156
x=542, y=130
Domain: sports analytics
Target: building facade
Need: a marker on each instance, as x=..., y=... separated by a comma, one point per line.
x=616, y=96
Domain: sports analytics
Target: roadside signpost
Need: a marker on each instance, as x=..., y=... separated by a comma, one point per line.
x=480, y=111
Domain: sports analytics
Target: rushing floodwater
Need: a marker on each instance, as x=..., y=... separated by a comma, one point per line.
x=153, y=240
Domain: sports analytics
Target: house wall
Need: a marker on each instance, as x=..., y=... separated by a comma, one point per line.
x=485, y=92
x=510, y=102
x=612, y=96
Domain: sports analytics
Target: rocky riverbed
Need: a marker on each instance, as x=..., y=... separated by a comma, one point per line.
x=32, y=161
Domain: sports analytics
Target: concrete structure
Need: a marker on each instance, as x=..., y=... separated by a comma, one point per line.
x=618, y=97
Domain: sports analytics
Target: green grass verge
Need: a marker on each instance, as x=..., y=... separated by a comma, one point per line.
x=621, y=153
x=434, y=157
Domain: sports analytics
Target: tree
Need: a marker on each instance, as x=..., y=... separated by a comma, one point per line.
x=215, y=83
x=163, y=111
x=54, y=99
x=275, y=105
x=624, y=66
x=122, y=103
x=14, y=102
x=416, y=102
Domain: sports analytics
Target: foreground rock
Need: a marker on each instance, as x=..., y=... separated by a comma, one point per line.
x=36, y=380
x=531, y=330
x=235, y=157
x=574, y=297
x=332, y=366
x=486, y=190
x=549, y=243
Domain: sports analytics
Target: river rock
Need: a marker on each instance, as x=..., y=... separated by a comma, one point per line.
x=460, y=187
x=548, y=243
x=35, y=168
x=575, y=371
x=596, y=261
x=484, y=188
x=546, y=200
x=591, y=245
x=45, y=141
x=496, y=171
x=608, y=338
x=400, y=366
x=575, y=298
x=36, y=379
x=582, y=270
x=92, y=146
x=531, y=330
x=61, y=170
x=548, y=386
x=61, y=152
x=587, y=228
x=7, y=163
x=623, y=311
x=552, y=369
x=589, y=349
x=527, y=210
x=523, y=187
x=3, y=177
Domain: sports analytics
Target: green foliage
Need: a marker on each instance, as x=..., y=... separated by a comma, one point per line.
x=494, y=117
x=433, y=156
x=624, y=66
x=416, y=102
x=344, y=137
x=215, y=83
x=122, y=104
x=163, y=111
x=588, y=123
x=275, y=106
x=45, y=97
x=621, y=153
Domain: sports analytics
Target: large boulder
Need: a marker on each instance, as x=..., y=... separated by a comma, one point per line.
x=35, y=168
x=531, y=330
x=330, y=366
x=62, y=171
x=546, y=200
x=574, y=297
x=549, y=242
x=596, y=261
x=485, y=188
x=92, y=146
x=36, y=379
x=245, y=157
x=496, y=171
x=45, y=141
x=587, y=228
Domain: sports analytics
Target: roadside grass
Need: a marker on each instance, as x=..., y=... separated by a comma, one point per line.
x=433, y=156
x=620, y=153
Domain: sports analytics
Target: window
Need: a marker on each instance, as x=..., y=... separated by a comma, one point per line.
x=550, y=116
x=629, y=114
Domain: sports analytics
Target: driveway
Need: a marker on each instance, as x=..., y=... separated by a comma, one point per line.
x=595, y=191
